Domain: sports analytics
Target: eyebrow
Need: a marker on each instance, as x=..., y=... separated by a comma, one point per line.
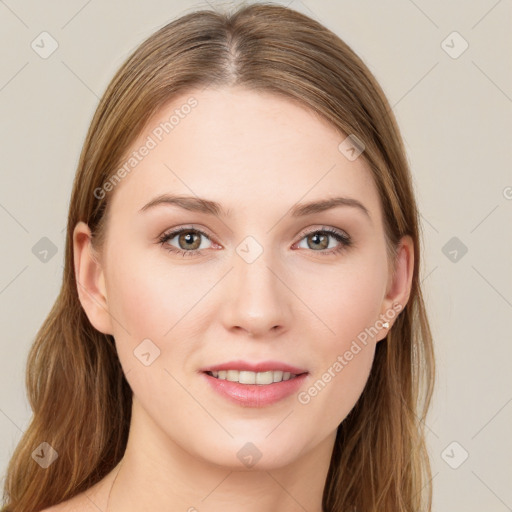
x=197, y=204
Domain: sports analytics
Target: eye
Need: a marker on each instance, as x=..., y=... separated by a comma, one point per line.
x=318, y=240
x=188, y=238
x=189, y=242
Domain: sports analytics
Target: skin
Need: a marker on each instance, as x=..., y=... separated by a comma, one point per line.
x=258, y=155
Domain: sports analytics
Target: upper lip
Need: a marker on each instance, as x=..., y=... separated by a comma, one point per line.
x=263, y=366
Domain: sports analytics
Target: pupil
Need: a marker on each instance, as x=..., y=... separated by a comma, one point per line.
x=188, y=239
x=317, y=240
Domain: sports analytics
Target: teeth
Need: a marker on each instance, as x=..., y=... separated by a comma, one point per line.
x=245, y=377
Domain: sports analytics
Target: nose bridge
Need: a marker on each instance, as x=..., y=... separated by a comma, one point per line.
x=257, y=299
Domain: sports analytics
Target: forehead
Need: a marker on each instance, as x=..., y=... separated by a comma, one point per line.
x=243, y=149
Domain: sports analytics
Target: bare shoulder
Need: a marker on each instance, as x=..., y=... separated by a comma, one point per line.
x=93, y=499
x=65, y=506
x=79, y=503
x=61, y=507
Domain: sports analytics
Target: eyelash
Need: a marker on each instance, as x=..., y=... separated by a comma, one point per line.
x=345, y=241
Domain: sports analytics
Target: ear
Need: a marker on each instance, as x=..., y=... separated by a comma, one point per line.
x=399, y=285
x=90, y=280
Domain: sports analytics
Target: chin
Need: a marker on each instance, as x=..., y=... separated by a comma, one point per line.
x=245, y=454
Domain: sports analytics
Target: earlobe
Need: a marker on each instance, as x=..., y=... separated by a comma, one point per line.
x=90, y=280
x=399, y=284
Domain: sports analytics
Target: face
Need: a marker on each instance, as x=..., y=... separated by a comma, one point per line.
x=253, y=279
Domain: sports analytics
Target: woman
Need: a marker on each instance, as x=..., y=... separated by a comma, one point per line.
x=241, y=323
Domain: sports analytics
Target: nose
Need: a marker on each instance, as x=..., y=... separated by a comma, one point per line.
x=256, y=301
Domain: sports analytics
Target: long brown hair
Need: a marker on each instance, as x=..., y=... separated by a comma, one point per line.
x=80, y=398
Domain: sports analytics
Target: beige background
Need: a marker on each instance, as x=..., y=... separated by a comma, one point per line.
x=455, y=116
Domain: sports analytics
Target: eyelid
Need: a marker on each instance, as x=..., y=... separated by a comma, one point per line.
x=304, y=232
x=315, y=228
x=186, y=227
x=346, y=240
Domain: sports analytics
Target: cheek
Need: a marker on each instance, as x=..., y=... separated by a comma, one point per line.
x=336, y=391
x=346, y=299
x=348, y=305
x=153, y=300
x=151, y=330
x=161, y=303
x=343, y=364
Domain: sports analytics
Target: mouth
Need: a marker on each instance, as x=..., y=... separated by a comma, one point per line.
x=256, y=385
x=249, y=377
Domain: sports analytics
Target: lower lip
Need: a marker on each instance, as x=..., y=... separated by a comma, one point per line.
x=255, y=395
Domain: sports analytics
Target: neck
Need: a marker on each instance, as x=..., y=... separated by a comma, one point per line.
x=157, y=474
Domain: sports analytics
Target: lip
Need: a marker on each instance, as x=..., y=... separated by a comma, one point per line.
x=255, y=395
x=264, y=366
